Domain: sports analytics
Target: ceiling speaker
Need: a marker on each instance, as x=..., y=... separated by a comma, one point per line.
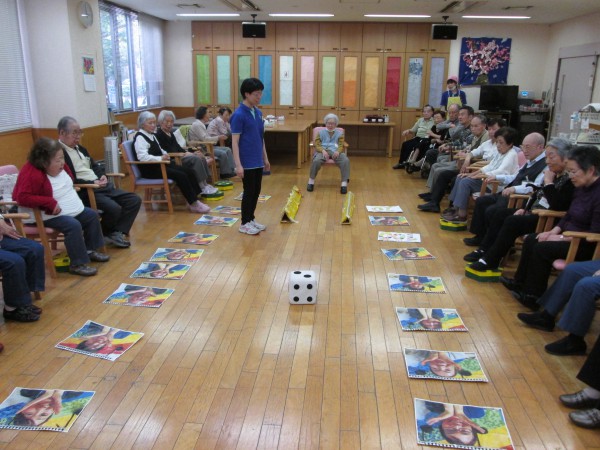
x=444, y=31
x=254, y=29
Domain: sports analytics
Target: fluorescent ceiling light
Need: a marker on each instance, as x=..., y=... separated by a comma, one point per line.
x=496, y=17
x=406, y=16
x=300, y=15
x=209, y=15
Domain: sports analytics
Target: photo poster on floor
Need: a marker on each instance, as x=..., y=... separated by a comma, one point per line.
x=100, y=341
x=134, y=295
x=217, y=221
x=384, y=209
x=461, y=426
x=161, y=271
x=184, y=237
x=429, y=319
x=443, y=365
x=36, y=409
x=261, y=198
x=407, y=254
x=391, y=236
x=232, y=210
x=389, y=220
x=400, y=282
x=180, y=255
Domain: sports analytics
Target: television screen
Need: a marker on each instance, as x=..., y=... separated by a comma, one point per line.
x=498, y=97
x=254, y=29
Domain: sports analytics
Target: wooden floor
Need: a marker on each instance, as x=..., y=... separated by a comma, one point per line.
x=227, y=362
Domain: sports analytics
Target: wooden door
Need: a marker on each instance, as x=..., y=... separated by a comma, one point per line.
x=286, y=82
x=202, y=36
x=268, y=42
x=395, y=37
x=349, y=81
x=436, y=76
x=243, y=67
x=265, y=71
x=202, y=64
x=328, y=80
x=308, y=36
x=415, y=67
x=286, y=39
x=241, y=43
x=351, y=37
x=329, y=36
x=223, y=86
x=373, y=38
x=417, y=37
x=222, y=35
x=371, y=82
x=307, y=77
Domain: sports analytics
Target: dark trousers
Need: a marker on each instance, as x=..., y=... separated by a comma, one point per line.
x=184, y=178
x=590, y=371
x=410, y=145
x=536, y=262
x=503, y=237
x=443, y=180
x=119, y=208
x=494, y=218
x=23, y=272
x=484, y=211
x=252, y=183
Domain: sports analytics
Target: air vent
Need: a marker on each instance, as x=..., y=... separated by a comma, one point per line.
x=459, y=6
x=189, y=5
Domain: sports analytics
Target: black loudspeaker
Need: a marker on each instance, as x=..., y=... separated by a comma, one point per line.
x=254, y=29
x=444, y=31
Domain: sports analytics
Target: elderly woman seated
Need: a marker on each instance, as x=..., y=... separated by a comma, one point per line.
x=198, y=132
x=46, y=182
x=329, y=144
x=147, y=148
x=173, y=142
x=219, y=127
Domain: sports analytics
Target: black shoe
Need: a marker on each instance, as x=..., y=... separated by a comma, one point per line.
x=98, y=257
x=310, y=187
x=425, y=196
x=35, y=309
x=569, y=345
x=343, y=189
x=117, y=239
x=527, y=300
x=510, y=284
x=398, y=166
x=21, y=314
x=588, y=418
x=429, y=207
x=227, y=175
x=579, y=400
x=482, y=266
x=450, y=210
x=537, y=320
x=83, y=270
x=474, y=241
x=474, y=256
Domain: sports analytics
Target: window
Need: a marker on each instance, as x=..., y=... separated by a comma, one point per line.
x=133, y=58
x=15, y=111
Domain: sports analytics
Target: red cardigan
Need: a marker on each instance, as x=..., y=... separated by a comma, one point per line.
x=33, y=189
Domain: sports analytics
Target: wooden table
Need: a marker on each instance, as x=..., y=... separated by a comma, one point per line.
x=184, y=121
x=359, y=123
x=302, y=128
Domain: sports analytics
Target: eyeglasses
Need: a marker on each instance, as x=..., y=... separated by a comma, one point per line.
x=76, y=133
x=572, y=173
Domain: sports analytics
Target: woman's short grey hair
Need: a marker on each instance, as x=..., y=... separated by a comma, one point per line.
x=162, y=116
x=331, y=116
x=144, y=117
x=562, y=146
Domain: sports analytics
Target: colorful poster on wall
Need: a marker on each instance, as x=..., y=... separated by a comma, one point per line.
x=484, y=61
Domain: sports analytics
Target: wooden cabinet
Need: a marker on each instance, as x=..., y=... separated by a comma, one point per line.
x=308, y=37
x=425, y=79
x=213, y=79
x=418, y=39
x=241, y=43
x=351, y=37
x=296, y=81
x=204, y=38
x=373, y=38
x=286, y=36
x=329, y=36
x=395, y=37
x=339, y=80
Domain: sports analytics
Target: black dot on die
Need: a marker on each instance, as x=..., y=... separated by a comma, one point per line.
x=306, y=275
x=296, y=299
x=296, y=286
x=297, y=272
x=309, y=299
x=309, y=286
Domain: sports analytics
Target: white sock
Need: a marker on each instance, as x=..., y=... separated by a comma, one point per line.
x=9, y=308
x=344, y=183
x=591, y=392
x=311, y=181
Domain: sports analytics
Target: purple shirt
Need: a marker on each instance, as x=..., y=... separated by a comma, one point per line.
x=584, y=212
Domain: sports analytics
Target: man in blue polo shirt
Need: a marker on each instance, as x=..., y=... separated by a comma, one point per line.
x=249, y=151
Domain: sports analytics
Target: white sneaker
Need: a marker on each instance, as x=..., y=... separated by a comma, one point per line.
x=208, y=189
x=258, y=226
x=247, y=228
x=199, y=207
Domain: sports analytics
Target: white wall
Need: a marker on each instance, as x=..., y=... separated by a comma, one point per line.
x=56, y=42
x=179, y=78
x=527, y=57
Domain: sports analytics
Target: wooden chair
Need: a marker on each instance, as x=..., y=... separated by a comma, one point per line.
x=151, y=185
x=576, y=238
x=311, y=146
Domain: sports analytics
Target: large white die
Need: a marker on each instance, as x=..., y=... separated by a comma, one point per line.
x=303, y=287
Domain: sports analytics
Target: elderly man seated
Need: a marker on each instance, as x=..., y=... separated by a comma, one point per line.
x=420, y=139
x=119, y=208
x=23, y=272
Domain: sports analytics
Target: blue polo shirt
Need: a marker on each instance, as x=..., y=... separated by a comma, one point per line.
x=248, y=124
